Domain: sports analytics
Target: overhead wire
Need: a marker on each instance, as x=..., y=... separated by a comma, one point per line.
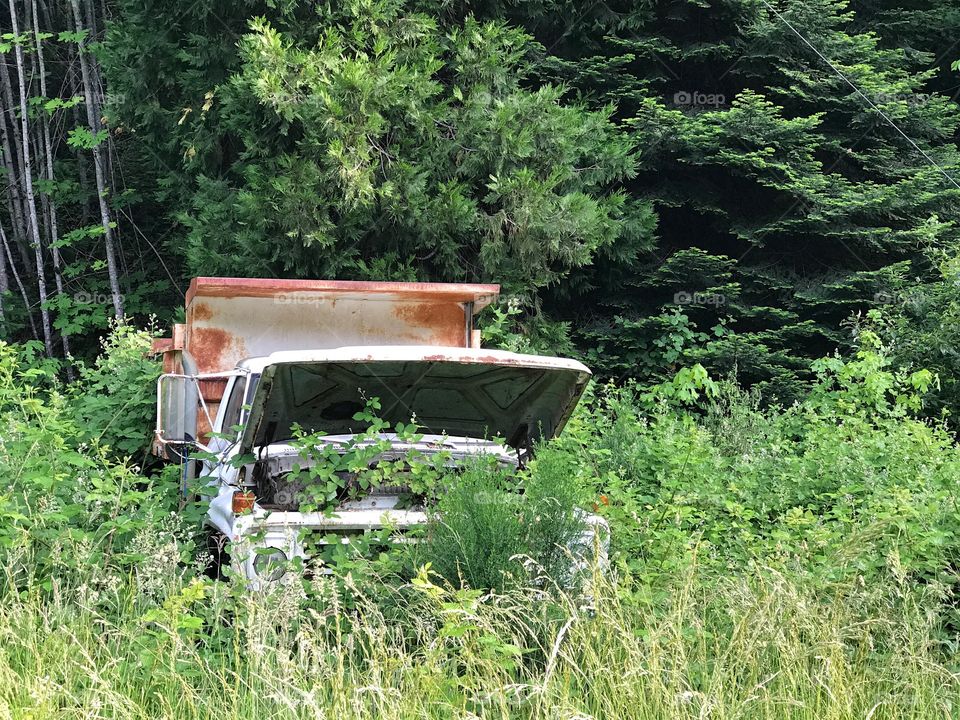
x=859, y=92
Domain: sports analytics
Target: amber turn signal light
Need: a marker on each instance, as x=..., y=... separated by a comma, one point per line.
x=243, y=502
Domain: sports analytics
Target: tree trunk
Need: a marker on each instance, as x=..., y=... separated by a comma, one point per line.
x=50, y=203
x=4, y=289
x=99, y=166
x=76, y=88
x=47, y=18
x=16, y=277
x=27, y=170
x=14, y=202
x=21, y=230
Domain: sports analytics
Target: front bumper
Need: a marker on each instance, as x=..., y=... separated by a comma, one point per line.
x=262, y=530
x=286, y=531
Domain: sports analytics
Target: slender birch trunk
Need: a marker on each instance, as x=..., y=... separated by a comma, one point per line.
x=99, y=166
x=11, y=133
x=47, y=18
x=27, y=170
x=50, y=203
x=4, y=289
x=14, y=202
x=76, y=88
x=16, y=277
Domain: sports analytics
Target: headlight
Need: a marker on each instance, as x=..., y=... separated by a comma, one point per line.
x=270, y=564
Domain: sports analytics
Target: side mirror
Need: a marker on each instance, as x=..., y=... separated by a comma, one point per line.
x=178, y=402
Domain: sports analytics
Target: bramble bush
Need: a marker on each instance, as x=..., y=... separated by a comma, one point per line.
x=490, y=527
x=114, y=398
x=846, y=483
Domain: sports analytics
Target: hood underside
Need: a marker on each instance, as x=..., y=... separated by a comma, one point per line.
x=469, y=393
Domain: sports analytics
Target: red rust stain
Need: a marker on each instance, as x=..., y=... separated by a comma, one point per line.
x=201, y=311
x=446, y=320
x=203, y=426
x=208, y=345
x=473, y=359
x=212, y=389
x=161, y=345
x=215, y=349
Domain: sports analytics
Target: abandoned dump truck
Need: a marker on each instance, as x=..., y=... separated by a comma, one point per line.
x=257, y=358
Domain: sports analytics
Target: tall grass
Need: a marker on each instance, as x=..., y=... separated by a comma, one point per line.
x=757, y=646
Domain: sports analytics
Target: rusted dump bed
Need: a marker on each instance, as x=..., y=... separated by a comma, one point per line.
x=230, y=319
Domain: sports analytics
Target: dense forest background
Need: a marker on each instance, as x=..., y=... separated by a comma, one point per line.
x=732, y=183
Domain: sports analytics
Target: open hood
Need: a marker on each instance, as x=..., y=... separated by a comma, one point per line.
x=473, y=393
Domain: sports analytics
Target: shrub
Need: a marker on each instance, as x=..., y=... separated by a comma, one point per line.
x=846, y=483
x=114, y=399
x=795, y=563
x=495, y=529
x=491, y=528
x=66, y=504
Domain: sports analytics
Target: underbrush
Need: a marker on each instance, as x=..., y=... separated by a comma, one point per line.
x=766, y=563
x=846, y=485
